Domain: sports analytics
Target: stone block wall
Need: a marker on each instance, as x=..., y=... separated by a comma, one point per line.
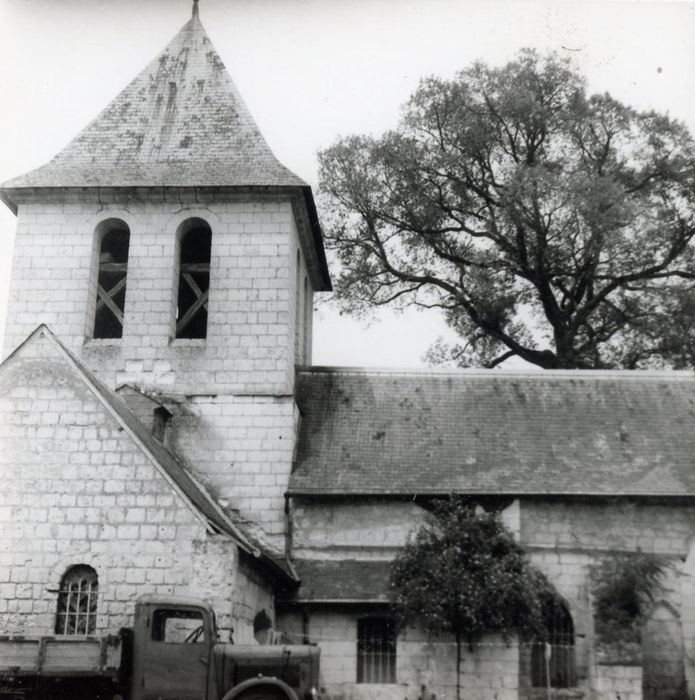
x=687, y=616
x=251, y=595
x=566, y=538
x=663, y=528
x=490, y=671
x=360, y=529
x=374, y=528
x=250, y=344
x=76, y=489
x=336, y=634
x=237, y=418
x=618, y=681
x=241, y=447
x=301, y=302
x=425, y=666
x=568, y=572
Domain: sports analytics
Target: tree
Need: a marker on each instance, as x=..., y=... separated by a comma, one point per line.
x=545, y=223
x=464, y=574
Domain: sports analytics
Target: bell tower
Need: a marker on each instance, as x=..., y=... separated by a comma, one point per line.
x=170, y=250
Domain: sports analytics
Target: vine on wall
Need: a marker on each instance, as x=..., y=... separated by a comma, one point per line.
x=623, y=587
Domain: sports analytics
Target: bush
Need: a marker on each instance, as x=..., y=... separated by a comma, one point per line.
x=464, y=573
x=622, y=587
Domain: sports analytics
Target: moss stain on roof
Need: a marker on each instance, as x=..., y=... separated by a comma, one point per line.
x=553, y=433
x=181, y=122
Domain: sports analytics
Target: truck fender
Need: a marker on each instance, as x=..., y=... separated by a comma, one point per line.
x=260, y=683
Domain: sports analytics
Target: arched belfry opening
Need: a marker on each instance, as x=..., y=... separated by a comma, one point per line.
x=195, y=242
x=114, y=237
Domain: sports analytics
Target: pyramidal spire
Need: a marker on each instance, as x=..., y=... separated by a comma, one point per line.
x=181, y=122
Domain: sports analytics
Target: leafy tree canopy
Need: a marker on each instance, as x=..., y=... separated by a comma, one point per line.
x=623, y=587
x=464, y=573
x=547, y=224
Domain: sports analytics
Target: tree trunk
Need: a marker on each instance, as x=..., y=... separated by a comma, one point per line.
x=458, y=664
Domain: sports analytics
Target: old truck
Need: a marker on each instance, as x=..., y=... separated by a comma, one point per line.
x=171, y=653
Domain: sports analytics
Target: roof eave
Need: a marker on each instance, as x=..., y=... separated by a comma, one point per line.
x=318, y=239
x=332, y=601
x=282, y=571
x=8, y=202
x=430, y=493
x=10, y=195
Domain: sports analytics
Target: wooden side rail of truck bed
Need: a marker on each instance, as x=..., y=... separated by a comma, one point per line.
x=60, y=656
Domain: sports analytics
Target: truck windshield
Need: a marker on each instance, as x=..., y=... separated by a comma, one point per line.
x=174, y=626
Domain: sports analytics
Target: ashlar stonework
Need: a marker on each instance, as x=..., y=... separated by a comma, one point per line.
x=80, y=487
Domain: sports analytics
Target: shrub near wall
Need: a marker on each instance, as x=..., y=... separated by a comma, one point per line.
x=464, y=574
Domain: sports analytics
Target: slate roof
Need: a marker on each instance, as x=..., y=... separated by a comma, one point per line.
x=344, y=580
x=198, y=498
x=181, y=122
x=543, y=433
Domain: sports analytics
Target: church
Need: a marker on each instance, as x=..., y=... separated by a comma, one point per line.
x=163, y=430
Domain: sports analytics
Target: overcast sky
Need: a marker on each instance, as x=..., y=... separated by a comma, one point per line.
x=311, y=70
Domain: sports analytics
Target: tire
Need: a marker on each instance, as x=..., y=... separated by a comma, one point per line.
x=260, y=692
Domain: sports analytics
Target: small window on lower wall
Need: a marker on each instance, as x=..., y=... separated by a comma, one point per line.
x=376, y=650
x=77, y=601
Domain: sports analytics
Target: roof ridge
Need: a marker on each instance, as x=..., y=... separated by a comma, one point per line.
x=511, y=373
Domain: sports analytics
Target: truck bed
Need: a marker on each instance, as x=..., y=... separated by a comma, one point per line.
x=60, y=656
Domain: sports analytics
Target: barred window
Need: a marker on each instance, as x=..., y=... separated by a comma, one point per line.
x=112, y=277
x=194, y=279
x=376, y=650
x=77, y=601
x=553, y=658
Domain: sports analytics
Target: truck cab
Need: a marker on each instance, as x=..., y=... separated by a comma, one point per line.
x=176, y=656
x=172, y=649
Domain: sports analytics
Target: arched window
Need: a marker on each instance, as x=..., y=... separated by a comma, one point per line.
x=553, y=658
x=77, y=601
x=111, y=282
x=194, y=279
